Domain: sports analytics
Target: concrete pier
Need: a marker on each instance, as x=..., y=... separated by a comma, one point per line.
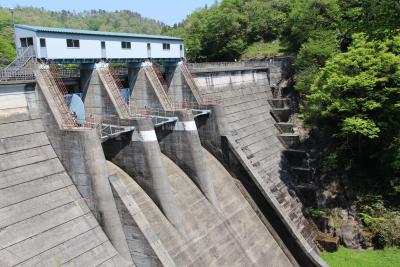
x=97, y=100
x=182, y=144
x=140, y=157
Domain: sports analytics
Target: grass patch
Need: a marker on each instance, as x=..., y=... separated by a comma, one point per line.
x=261, y=50
x=389, y=257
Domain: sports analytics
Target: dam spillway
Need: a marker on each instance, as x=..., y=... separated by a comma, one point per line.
x=172, y=185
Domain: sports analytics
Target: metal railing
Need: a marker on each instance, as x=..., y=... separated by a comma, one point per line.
x=16, y=75
x=158, y=87
x=233, y=65
x=160, y=76
x=21, y=69
x=50, y=76
x=114, y=87
x=24, y=55
x=69, y=72
x=195, y=89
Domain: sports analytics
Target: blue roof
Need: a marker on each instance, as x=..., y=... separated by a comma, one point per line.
x=98, y=33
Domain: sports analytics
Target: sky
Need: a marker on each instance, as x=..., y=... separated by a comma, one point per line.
x=167, y=11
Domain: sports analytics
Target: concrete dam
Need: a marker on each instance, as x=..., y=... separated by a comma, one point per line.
x=151, y=164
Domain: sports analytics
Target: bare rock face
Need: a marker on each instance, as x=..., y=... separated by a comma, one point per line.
x=351, y=236
x=327, y=242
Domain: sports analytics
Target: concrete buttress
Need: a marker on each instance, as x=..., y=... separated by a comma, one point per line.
x=183, y=146
x=97, y=167
x=140, y=157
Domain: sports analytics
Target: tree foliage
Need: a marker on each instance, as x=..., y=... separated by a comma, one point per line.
x=224, y=31
x=355, y=100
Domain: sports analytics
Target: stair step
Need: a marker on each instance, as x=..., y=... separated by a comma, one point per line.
x=285, y=127
x=281, y=114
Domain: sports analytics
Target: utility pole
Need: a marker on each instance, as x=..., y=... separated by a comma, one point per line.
x=12, y=15
x=13, y=24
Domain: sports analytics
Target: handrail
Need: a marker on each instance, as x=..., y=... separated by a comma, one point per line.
x=57, y=89
x=24, y=54
x=114, y=86
x=160, y=76
x=58, y=96
x=202, y=100
x=158, y=88
x=16, y=75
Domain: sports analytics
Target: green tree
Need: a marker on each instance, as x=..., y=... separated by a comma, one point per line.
x=7, y=51
x=355, y=100
x=309, y=17
x=321, y=46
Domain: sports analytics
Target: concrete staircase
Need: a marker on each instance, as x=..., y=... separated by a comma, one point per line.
x=201, y=99
x=158, y=87
x=53, y=88
x=43, y=219
x=113, y=87
x=192, y=84
x=295, y=154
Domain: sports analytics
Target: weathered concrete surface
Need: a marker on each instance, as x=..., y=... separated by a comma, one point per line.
x=139, y=155
x=216, y=225
x=145, y=94
x=233, y=237
x=80, y=151
x=178, y=89
x=252, y=140
x=98, y=100
x=247, y=227
x=181, y=143
x=44, y=220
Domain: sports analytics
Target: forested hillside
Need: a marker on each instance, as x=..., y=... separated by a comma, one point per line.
x=118, y=21
x=347, y=73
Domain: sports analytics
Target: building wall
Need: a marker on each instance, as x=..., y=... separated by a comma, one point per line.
x=90, y=46
x=22, y=33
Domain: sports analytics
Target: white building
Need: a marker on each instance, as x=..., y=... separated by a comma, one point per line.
x=71, y=45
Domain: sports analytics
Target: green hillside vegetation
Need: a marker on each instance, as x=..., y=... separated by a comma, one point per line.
x=98, y=20
x=261, y=50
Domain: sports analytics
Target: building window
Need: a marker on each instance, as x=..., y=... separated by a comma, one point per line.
x=25, y=42
x=126, y=45
x=103, y=45
x=166, y=46
x=73, y=43
x=181, y=47
x=42, y=42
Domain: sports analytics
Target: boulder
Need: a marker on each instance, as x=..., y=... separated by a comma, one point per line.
x=327, y=243
x=351, y=236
